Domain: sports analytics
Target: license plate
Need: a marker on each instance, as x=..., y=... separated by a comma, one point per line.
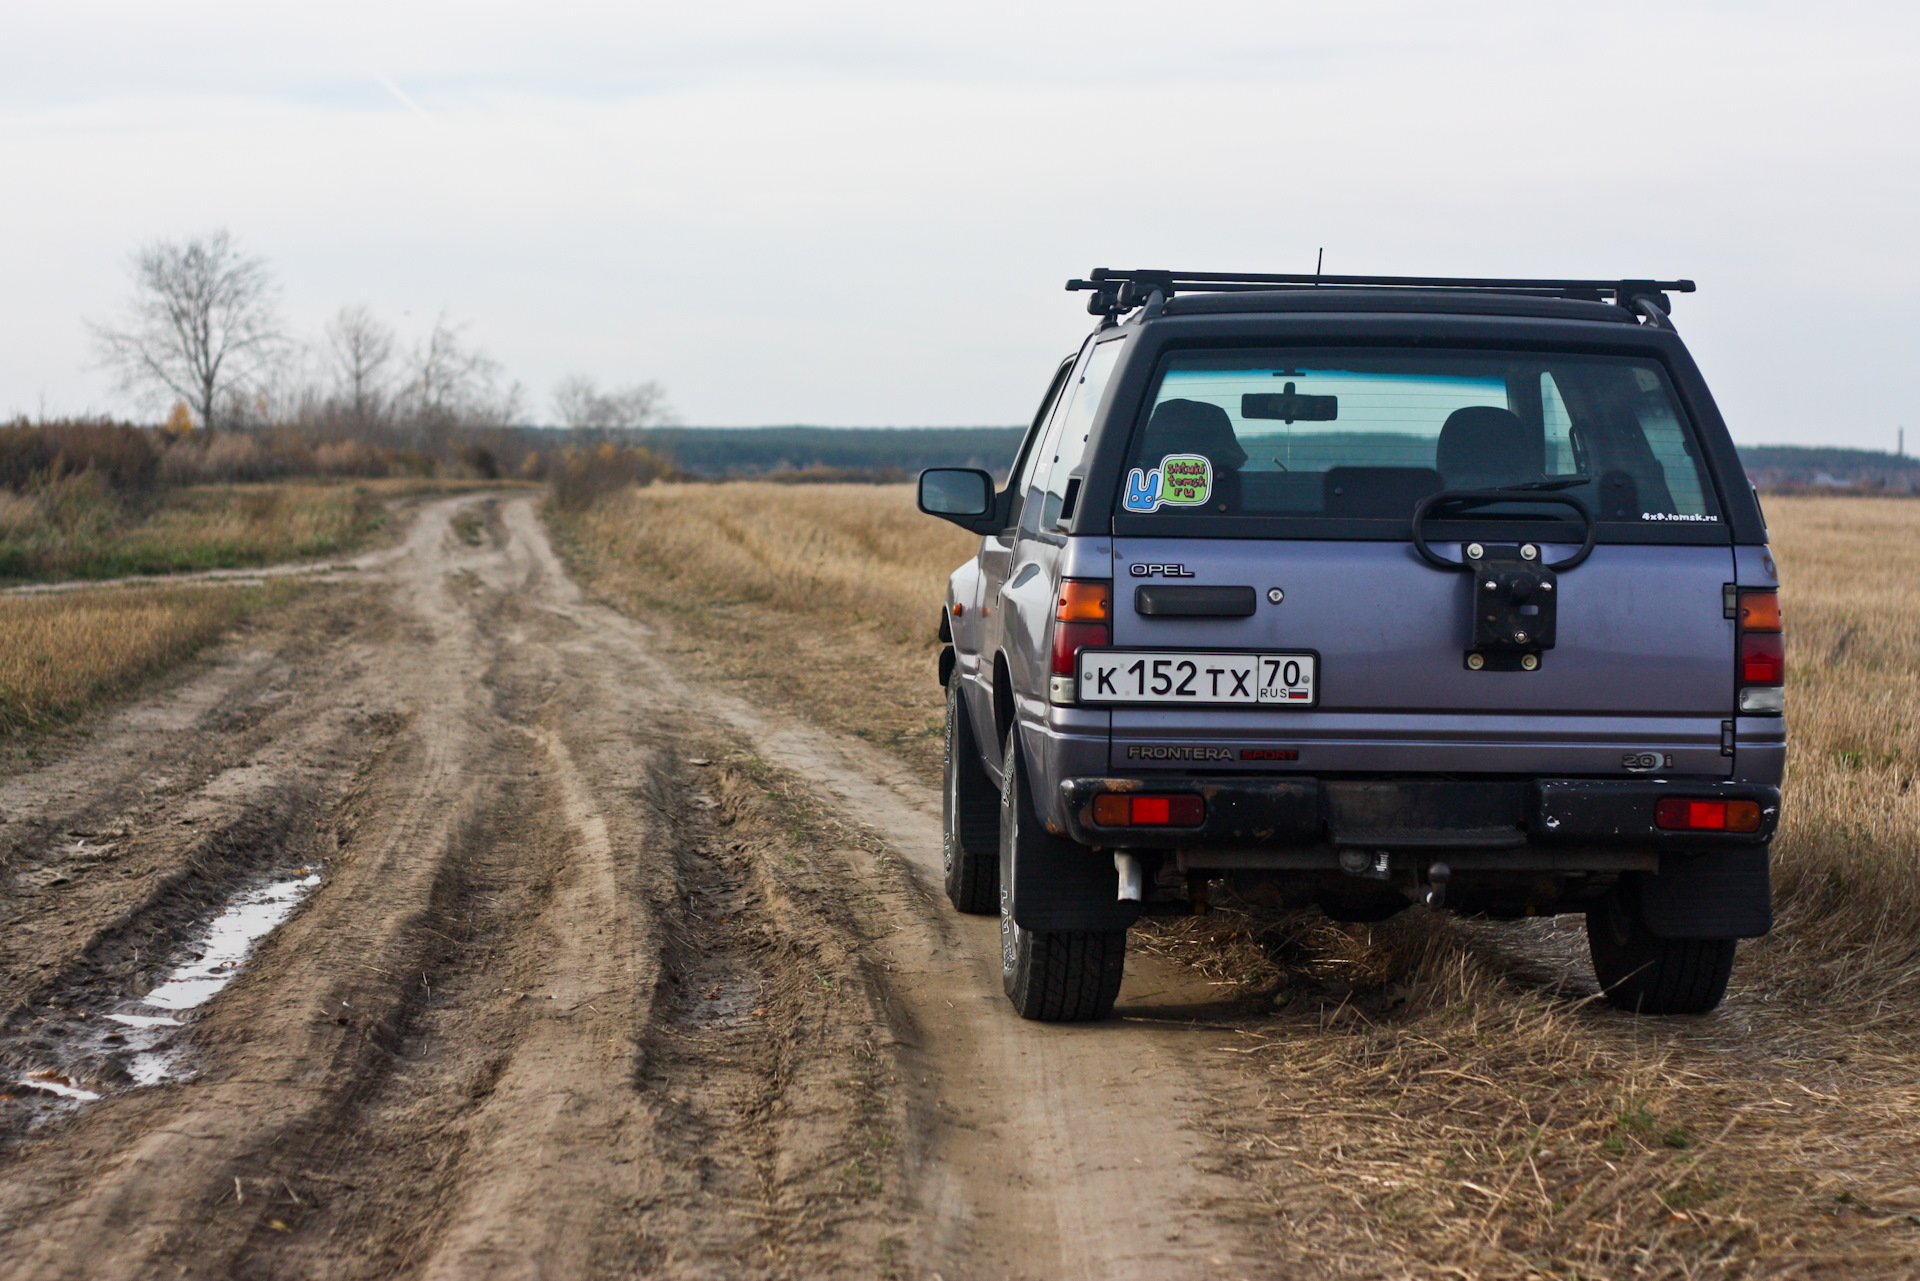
x=1198, y=678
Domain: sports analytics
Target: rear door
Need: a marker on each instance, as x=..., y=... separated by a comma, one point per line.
x=1343, y=445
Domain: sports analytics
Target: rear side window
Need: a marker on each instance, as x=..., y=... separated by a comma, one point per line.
x=1066, y=440
x=1367, y=433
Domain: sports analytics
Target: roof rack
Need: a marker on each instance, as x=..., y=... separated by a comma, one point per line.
x=1115, y=292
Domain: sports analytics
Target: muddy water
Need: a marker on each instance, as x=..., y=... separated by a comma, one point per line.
x=133, y=1042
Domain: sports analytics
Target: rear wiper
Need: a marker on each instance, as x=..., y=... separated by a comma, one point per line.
x=1557, y=482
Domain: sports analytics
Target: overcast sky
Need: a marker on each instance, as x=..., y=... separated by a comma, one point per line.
x=862, y=213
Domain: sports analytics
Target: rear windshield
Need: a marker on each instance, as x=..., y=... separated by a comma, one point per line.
x=1343, y=433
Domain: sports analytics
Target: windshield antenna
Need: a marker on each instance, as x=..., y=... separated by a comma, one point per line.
x=1318, y=260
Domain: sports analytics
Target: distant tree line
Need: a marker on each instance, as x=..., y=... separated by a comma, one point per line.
x=879, y=453
x=202, y=332
x=202, y=339
x=1790, y=468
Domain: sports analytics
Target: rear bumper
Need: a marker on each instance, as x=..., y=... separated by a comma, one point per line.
x=1503, y=821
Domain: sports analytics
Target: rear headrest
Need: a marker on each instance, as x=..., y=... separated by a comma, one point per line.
x=1192, y=427
x=1482, y=446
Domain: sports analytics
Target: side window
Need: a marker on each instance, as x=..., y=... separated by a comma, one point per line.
x=1067, y=442
x=1040, y=445
x=1560, y=460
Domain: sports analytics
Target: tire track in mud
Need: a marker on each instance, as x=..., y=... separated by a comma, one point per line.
x=279, y=1058
x=570, y=1003
x=1035, y=1150
x=453, y=1062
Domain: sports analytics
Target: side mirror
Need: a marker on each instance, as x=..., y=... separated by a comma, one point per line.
x=959, y=494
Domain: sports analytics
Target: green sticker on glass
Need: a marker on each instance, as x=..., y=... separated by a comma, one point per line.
x=1181, y=480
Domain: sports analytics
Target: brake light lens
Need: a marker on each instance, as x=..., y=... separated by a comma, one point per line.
x=1117, y=809
x=1080, y=620
x=1763, y=655
x=1069, y=638
x=1763, y=659
x=1683, y=814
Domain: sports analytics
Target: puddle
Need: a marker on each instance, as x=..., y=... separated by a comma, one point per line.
x=231, y=935
x=130, y=1042
x=58, y=1086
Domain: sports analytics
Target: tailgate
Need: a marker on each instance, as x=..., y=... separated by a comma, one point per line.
x=1643, y=663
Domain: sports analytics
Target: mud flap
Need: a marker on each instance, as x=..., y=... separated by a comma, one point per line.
x=1052, y=883
x=1726, y=894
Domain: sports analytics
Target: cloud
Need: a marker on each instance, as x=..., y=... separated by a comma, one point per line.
x=863, y=213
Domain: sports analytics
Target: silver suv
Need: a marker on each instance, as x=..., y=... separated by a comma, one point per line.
x=1360, y=592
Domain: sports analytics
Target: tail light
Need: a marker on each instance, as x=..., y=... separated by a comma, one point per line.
x=1682, y=814
x=1120, y=809
x=1082, y=617
x=1763, y=655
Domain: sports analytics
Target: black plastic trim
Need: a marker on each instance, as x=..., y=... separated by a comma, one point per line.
x=1171, y=600
x=1294, y=812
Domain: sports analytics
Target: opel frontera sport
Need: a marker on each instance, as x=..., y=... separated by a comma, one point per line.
x=1362, y=592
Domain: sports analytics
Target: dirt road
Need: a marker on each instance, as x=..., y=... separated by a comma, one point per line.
x=605, y=972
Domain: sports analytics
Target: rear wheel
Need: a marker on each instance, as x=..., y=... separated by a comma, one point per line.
x=1056, y=976
x=1646, y=974
x=970, y=846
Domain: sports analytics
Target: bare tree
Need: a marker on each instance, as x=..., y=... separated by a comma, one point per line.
x=361, y=349
x=201, y=325
x=581, y=404
x=451, y=384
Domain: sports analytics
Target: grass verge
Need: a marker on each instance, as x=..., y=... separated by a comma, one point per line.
x=69, y=652
x=822, y=599
x=76, y=528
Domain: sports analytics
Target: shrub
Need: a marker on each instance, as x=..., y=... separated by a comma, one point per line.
x=35, y=454
x=582, y=477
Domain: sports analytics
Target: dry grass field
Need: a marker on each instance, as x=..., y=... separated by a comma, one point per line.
x=68, y=651
x=818, y=597
x=1847, y=863
x=74, y=528
x=1480, y=1112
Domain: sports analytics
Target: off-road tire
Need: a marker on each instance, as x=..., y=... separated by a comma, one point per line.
x=1645, y=974
x=1055, y=976
x=970, y=809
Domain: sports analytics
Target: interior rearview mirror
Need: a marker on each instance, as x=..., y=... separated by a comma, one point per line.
x=960, y=494
x=1290, y=406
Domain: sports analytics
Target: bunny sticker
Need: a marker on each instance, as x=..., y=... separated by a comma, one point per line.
x=1181, y=480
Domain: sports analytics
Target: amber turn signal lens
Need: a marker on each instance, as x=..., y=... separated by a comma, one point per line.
x=1112, y=810
x=1760, y=611
x=1084, y=601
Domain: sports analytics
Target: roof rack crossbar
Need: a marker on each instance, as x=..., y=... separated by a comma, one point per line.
x=1116, y=291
